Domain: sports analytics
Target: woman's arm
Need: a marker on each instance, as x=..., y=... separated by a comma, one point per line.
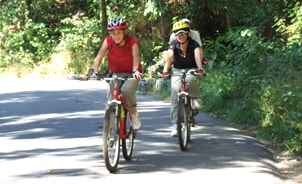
x=101, y=54
x=168, y=57
x=198, y=54
x=136, y=57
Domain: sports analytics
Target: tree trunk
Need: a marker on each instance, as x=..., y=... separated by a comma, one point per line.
x=228, y=21
x=268, y=30
x=103, y=15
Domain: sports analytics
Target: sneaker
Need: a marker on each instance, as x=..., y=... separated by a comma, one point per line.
x=173, y=131
x=195, y=104
x=134, y=133
x=194, y=123
x=136, y=123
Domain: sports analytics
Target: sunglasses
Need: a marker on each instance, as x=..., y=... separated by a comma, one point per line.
x=181, y=34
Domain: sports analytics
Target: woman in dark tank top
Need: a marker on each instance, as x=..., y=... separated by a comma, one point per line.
x=183, y=53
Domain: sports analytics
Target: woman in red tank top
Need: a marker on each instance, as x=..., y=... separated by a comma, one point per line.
x=123, y=55
x=122, y=50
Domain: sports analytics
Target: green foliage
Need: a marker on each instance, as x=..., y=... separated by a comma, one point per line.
x=292, y=29
x=257, y=83
x=28, y=45
x=30, y=29
x=153, y=9
x=81, y=36
x=150, y=50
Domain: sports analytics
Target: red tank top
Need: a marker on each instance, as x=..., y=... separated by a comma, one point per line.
x=120, y=59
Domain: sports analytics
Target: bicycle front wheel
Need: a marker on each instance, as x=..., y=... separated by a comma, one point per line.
x=183, y=125
x=128, y=142
x=111, y=139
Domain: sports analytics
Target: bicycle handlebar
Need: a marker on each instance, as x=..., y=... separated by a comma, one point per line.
x=109, y=77
x=185, y=72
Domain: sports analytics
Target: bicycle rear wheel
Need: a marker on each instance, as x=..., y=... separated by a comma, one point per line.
x=128, y=143
x=111, y=139
x=183, y=125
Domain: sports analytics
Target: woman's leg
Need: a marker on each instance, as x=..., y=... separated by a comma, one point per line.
x=128, y=91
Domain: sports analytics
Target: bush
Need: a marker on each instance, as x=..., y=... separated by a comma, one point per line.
x=257, y=83
x=27, y=46
x=82, y=37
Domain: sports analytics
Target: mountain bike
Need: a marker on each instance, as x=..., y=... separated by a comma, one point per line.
x=116, y=128
x=185, y=118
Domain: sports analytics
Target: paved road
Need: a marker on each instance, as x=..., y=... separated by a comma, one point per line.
x=49, y=135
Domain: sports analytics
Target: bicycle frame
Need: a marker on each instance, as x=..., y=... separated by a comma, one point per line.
x=115, y=129
x=184, y=112
x=117, y=98
x=183, y=91
x=184, y=87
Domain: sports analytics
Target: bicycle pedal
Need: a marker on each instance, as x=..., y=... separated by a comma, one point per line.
x=134, y=133
x=111, y=143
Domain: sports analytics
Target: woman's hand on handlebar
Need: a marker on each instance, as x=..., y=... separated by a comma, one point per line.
x=199, y=72
x=93, y=75
x=137, y=75
x=164, y=75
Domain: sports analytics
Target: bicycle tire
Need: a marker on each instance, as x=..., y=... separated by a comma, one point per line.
x=183, y=125
x=128, y=143
x=111, y=139
x=190, y=120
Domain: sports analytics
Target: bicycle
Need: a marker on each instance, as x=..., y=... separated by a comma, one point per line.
x=185, y=118
x=184, y=113
x=116, y=128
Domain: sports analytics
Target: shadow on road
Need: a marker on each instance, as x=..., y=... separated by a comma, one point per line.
x=77, y=113
x=215, y=145
x=45, y=114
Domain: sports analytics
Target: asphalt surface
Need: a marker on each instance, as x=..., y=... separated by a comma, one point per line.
x=50, y=134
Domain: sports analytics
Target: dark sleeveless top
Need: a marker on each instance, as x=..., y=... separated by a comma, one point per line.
x=181, y=62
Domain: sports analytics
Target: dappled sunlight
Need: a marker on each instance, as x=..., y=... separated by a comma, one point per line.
x=213, y=147
x=43, y=117
x=143, y=108
x=154, y=104
x=152, y=118
x=49, y=85
x=153, y=152
x=148, y=110
x=19, y=100
x=229, y=128
x=64, y=129
x=8, y=117
x=71, y=172
x=33, y=130
x=161, y=145
x=218, y=136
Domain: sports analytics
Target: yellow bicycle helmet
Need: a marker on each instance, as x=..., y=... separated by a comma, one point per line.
x=180, y=25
